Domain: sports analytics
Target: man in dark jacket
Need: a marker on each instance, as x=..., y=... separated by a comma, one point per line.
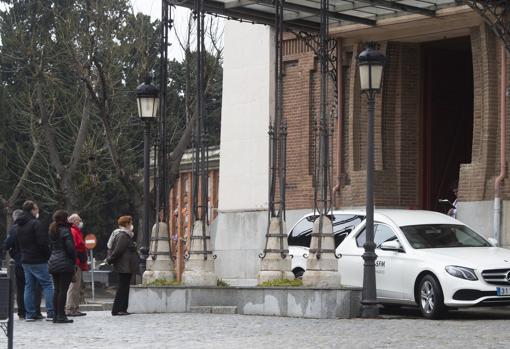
x=33, y=242
x=11, y=245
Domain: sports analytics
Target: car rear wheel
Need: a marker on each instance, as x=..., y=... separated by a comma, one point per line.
x=298, y=273
x=430, y=298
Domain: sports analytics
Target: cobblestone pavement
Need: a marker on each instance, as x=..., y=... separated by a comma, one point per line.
x=100, y=330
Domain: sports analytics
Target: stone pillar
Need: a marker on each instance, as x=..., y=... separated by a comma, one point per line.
x=159, y=262
x=199, y=271
x=273, y=266
x=322, y=265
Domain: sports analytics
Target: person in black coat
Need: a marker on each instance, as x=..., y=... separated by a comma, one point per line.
x=11, y=245
x=32, y=239
x=125, y=262
x=61, y=263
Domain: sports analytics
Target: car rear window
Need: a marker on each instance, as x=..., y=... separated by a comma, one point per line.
x=343, y=224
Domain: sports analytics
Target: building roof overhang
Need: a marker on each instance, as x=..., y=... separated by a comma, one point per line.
x=304, y=15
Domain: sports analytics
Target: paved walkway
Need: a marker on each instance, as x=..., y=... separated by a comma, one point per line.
x=100, y=330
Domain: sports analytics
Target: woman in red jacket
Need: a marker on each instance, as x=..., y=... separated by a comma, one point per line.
x=73, y=295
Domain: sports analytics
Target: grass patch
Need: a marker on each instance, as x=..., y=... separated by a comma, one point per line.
x=221, y=283
x=282, y=283
x=163, y=282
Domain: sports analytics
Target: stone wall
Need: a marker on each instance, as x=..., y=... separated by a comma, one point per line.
x=273, y=301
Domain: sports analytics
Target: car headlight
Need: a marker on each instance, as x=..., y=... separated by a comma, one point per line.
x=461, y=272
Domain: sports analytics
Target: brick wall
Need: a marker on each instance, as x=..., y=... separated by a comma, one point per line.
x=395, y=135
x=398, y=126
x=476, y=180
x=301, y=107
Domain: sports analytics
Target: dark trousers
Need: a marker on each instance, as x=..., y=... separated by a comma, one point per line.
x=121, y=302
x=61, y=283
x=20, y=292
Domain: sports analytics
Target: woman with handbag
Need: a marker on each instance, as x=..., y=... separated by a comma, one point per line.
x=124, y=258
x=61, y=263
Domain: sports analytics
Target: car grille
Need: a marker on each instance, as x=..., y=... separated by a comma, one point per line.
x=471, y=295
x=497, y=276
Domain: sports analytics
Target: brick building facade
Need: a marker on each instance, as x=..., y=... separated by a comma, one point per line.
x=437, y=116
x=437, y=122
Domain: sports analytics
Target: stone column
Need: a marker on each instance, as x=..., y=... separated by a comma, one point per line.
x=273, y=266
x=159, y=262
x=199, y=271
x=322, y=265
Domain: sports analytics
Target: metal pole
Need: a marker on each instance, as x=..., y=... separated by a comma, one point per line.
x=144, y=248
x=369, y=307
x=166, y=25
x=92, y=275
x=10, y=324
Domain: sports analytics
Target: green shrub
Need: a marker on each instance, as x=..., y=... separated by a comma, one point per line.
x=221, y=283
x=163, y=282
x=282, y=283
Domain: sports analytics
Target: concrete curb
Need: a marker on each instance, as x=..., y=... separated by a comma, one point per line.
x=304, y=302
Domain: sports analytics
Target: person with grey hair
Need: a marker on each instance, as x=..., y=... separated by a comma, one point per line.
x=73, y=293
x=11, y=245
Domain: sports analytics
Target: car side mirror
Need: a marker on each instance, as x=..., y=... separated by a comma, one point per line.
x=393, y=245
x=493, y=242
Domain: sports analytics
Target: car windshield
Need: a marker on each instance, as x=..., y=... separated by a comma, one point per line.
x=442, y=236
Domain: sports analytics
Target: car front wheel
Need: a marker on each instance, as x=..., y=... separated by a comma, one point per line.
x=430, y=298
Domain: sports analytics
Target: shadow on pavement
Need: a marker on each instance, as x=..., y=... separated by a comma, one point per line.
x=497, y=313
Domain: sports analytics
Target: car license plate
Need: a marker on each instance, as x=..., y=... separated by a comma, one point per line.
x=503, y=291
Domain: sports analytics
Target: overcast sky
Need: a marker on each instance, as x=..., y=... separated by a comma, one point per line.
x=149, y=7
x=153, y=8
x=180, y=16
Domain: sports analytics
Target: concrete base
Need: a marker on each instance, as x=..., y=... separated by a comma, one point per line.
x=151, y=276
x=321, y=278
x=197, y=271
x=322, y=272
x=199, y=278
x=161, y=263
x=272, y=301
x=241, y=282
x=158, y=264
x=269, y=275
x=273, y=266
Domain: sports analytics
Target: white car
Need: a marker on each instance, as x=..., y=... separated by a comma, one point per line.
x=300, y=235
x=429, y=259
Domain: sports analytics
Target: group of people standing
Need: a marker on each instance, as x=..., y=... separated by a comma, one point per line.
x=50, y=262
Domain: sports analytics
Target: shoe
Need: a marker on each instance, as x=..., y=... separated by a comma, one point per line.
x=21, y=317
x=50, y=318
x=30, y=319
x=38, y=317
x=121, y=313
x=76, y=313
x=63, y=321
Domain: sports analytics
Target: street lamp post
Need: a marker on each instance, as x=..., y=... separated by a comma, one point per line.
x=148, y=103
x=371, y=64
